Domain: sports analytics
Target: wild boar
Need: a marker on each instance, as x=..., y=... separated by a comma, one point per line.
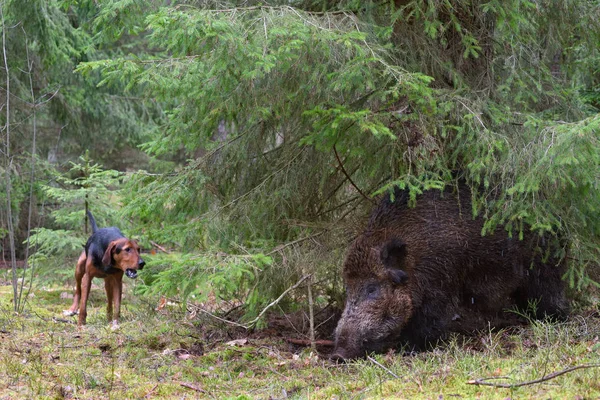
x=416, y=274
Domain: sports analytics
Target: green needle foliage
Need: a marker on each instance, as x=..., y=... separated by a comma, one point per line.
x=45, y=40
x=289, y=112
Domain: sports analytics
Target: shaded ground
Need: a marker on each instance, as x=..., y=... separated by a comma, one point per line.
x=165, y=354
x=292, y=330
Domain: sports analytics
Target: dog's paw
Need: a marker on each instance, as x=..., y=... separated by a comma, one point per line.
x=69, y=313
x=114, y=325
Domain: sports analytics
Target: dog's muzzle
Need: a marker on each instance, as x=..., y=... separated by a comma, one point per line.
x=131, y=273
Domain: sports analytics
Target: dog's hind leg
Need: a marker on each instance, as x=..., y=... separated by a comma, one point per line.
x=79, y=272
x=86, y=285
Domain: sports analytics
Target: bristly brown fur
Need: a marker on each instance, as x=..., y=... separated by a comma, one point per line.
x=417, y=274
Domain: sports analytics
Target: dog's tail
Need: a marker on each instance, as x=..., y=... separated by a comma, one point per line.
x=92, y=222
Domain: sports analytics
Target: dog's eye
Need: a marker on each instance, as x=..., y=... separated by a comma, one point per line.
x=128, y=249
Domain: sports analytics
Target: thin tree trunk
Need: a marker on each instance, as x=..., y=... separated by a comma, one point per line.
x=11, y=231
x=32, y=179
x=311, y=314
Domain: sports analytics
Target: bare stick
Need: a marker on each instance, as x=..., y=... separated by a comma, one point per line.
x=64, y=321
x=483, y=381
x=381, y=366
x=304, y=342
x=190, y=386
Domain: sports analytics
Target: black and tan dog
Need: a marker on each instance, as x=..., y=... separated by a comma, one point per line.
x=107, y=255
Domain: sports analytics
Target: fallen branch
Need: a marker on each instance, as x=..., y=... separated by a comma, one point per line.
x=190, y=386
x=64, y=321
x=381, y=366
x=304, y=342
x=483, y=381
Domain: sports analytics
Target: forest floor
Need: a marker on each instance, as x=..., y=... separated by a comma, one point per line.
x=159, y=352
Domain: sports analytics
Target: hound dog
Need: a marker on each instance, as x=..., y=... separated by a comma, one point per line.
x=108, y=255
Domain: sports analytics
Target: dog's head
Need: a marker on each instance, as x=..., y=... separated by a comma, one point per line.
x=124, y=254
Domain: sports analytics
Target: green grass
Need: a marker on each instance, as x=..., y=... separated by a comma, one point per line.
x=166, y=355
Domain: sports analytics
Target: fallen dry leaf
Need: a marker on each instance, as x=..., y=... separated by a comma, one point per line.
x=161, y=303
x=237, y=342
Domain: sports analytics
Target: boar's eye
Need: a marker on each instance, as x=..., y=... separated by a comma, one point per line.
x=372, y=291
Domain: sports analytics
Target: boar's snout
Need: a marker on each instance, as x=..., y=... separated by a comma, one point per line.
x=378, y=301
x=341, y=355
x=346, y=350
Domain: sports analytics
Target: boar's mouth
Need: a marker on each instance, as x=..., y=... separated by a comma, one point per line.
x=341, y=354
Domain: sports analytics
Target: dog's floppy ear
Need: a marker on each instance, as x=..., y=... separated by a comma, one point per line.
x=107, y=258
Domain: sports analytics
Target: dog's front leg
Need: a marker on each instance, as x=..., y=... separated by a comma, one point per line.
x=117, y=292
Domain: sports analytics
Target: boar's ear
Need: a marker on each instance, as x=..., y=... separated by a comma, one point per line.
x=393, y=254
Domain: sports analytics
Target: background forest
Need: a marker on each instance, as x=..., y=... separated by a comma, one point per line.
x=243, y=143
